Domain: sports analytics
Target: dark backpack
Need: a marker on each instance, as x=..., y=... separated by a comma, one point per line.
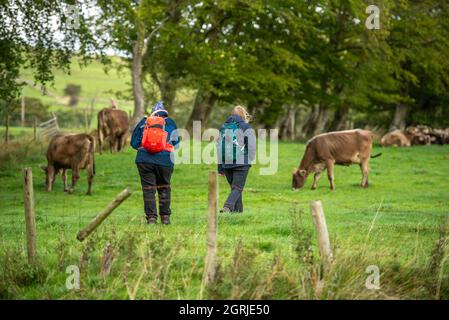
x=231, y=150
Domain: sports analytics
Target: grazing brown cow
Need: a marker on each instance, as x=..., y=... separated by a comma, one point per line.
x=112, y=123
x=396, y=138
x=334, y=148
x=71, y=151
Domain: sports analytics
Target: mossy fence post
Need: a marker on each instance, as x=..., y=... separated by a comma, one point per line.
x=30, y=219
x=212, y=223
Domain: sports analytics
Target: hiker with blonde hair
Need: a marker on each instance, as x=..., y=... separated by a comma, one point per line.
x=236, y=150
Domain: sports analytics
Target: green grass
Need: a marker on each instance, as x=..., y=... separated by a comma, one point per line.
x=408, y=192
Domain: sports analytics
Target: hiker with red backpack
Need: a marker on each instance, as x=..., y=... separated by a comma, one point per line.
x=155, y=138
x=236, y=150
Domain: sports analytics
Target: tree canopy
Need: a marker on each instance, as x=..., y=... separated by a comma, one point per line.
x=313, y=61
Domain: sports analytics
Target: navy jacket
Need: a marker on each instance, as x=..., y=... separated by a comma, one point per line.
x=162, y=158
x=248, y=139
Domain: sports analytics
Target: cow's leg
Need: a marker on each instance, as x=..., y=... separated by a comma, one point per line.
x=100, y=141
x=90, y=178
x=122, y=141
x=117, y=144
x=364, y=169
x=316, y=177
x=112, y=143
x=51, y=172
x=75, y=177
x=64, y=179
x=330, y=173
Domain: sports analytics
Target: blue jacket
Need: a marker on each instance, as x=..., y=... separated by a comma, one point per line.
x=161, y=158
x=249, y=141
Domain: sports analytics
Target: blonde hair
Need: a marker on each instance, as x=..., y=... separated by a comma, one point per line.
x=241, y=111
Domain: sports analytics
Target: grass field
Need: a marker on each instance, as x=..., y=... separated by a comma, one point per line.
x=267, y=252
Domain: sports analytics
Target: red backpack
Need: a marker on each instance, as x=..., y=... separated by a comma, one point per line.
x=154, y=137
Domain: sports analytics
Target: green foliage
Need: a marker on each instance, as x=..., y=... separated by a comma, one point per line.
x=316, y=55
x=72, y=118
x=28, y=40
x=34, y=109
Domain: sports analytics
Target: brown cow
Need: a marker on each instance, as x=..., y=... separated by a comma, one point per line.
x=72, y=151
x=334, y=148
x=396, y=138
x=112, y=123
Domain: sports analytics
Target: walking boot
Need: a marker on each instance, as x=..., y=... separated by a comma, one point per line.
x=151, y=220
x=165, y=219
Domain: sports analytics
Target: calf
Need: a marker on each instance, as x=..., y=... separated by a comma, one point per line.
x=334, y=148
x=396, y=138
x=72, y=151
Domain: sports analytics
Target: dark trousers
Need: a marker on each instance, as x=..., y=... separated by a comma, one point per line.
x=155, y=178
x=236, y=178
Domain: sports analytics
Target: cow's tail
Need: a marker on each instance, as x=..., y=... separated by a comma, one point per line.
x=376, y=156
x=92, y=154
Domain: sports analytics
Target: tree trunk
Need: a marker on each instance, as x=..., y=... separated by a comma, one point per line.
x=168, y=93
x=202, y=107
x=316, y=123
x=287, y=128
x=400, y=117
x=136, y=77
x=340, y=119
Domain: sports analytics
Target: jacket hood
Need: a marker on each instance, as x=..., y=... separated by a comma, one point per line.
x=234, y=118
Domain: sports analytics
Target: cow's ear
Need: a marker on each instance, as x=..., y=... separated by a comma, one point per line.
x=295, y=171
x=303, y=172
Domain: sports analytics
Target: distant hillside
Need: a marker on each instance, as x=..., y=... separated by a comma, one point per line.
x=94, y=82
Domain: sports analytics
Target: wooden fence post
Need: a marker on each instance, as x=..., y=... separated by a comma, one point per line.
x=35, y=129
x=86, y=122
x=319, y=221
x=211, y=255
x=30, y=220
x=22, y=113
x=84, y=233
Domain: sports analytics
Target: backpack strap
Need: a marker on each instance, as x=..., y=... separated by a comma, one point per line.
x=157, y=126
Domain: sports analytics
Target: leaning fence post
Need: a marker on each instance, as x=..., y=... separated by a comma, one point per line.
x=30, y=220
x=211, y=255
x=319, y=221
x=86, y=122
x=84, y=233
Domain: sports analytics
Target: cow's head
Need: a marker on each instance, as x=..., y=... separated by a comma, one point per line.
x=299, y=177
